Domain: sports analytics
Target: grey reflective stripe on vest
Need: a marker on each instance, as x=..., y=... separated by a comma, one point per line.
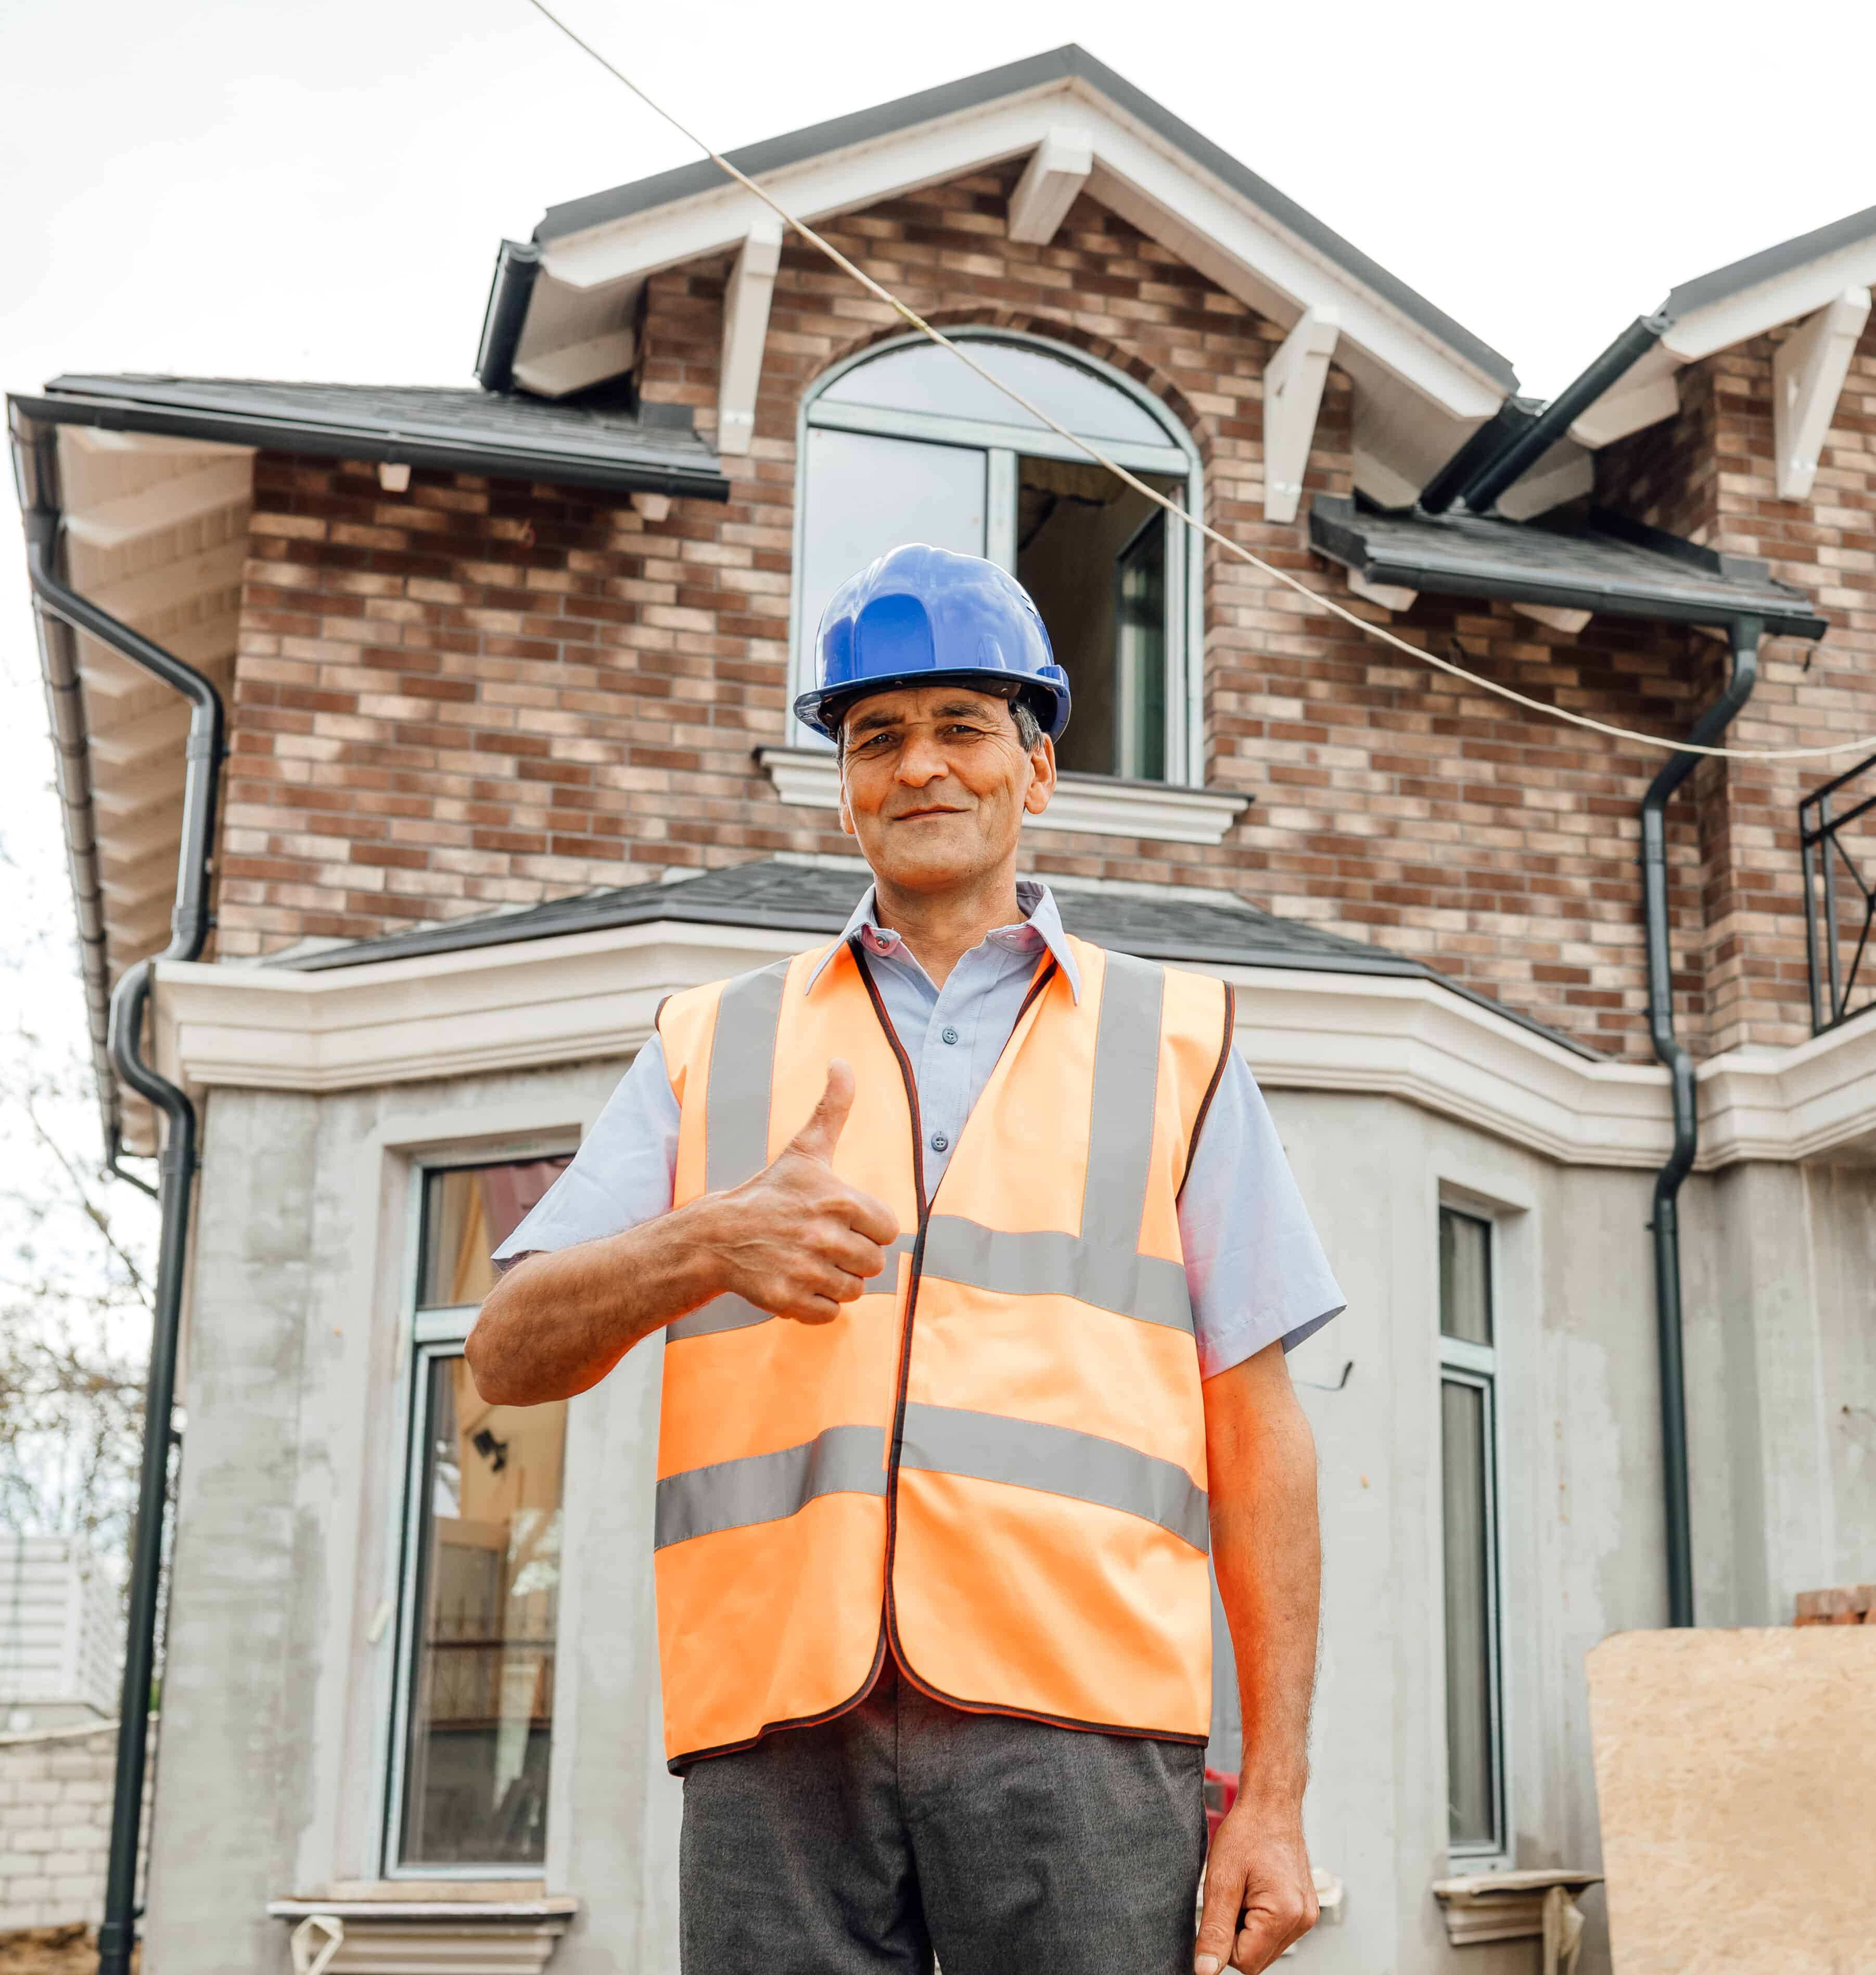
x=945, y=1440
x=1105, y=1274
x=742, y=1070
x=731, y=1313
x=1102, y=1265
x=766, y=1487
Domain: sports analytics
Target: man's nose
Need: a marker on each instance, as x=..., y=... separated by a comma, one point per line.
x=921, y=760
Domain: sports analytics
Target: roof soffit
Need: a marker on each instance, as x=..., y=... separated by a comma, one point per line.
x=1138, y=173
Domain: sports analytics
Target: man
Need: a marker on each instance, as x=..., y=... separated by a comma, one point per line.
x=977, y=1256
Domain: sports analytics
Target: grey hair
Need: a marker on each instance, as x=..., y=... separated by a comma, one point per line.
x=1028, y=728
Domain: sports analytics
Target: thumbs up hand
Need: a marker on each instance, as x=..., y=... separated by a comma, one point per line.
x=796, y=1239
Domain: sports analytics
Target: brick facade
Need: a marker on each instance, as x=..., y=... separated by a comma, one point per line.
x=478, y=694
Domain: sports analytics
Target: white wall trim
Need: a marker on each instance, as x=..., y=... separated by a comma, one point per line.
x=1807, y=374
x=1813, y=1101
x=1093, y=805
x=1293, y=395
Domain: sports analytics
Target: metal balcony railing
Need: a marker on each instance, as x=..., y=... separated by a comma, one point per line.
x=1837, y=833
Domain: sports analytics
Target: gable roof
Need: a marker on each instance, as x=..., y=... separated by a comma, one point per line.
x=565, y=306
x=1065, y=64
x=1206, y=927
x=462, y=431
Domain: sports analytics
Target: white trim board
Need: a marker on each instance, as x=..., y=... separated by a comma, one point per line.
x=1094, y=805
x=596, y=994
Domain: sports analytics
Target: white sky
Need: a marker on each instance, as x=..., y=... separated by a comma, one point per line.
x=314, y=189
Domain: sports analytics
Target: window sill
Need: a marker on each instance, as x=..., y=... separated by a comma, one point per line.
x=402, y=1923
x=1093, y=805
x=1504, y=1906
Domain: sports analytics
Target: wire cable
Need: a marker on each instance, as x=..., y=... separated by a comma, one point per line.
x=1864, y=744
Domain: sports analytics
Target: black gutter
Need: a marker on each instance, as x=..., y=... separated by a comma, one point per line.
x=517, y=263
x=1523, y=443
x=189, y=924
x=1743, y=635
x=1512, y=420
x=590, y=466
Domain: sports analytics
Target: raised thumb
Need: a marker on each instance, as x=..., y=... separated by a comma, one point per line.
x=817, y=1138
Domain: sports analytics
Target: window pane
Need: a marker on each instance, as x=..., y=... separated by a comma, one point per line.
x=1092, y=554
x=1465, y=1277
x=927, y=378
x=487, y=1594
x=866, y=495
x=1470, y=1729
x=468, y=1213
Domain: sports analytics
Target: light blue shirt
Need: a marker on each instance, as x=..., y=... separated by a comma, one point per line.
x=1256, y=1272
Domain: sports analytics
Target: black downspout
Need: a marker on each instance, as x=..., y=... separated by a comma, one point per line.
x=1743, y=635
x=189, y=925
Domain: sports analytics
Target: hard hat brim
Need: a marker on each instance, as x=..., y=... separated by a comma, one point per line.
x=1047, y=692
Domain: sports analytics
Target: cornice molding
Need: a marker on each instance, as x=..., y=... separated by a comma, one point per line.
x=594, y=995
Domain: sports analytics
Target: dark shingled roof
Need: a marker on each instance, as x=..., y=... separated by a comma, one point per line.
x=1609, y=564
x=1771, y=262
x=470, y=431
x=1035, y=72
x=1203, y=926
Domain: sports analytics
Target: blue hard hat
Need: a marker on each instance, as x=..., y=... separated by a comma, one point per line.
x=919, y=615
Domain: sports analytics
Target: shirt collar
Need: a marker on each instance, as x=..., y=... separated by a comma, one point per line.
x=1041, y=927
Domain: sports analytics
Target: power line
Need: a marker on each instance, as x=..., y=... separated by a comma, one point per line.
x=1864, y=744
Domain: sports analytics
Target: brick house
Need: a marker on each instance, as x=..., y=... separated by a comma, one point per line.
x=506, y=673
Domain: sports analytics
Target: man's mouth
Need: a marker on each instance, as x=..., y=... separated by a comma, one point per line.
x=936, y=808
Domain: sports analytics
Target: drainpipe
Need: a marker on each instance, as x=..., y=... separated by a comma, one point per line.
x=1743, y=635
x=189, y=925
x=1527, y=441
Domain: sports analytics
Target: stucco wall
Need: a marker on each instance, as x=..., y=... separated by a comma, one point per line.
x=275, y=1696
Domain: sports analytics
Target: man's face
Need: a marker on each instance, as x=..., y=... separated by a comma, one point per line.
x=935, y=784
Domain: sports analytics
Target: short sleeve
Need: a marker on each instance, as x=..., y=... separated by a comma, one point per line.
x=1256, y=1271
x=621, y=1177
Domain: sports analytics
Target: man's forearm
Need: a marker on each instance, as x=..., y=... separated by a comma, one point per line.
x=1266, y=1549
x=556, y=1323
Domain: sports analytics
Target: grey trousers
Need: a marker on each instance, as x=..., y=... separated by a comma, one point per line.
x=905, y=1827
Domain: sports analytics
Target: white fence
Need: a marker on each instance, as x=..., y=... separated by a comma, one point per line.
x=59, y=1632
x=55, y=1793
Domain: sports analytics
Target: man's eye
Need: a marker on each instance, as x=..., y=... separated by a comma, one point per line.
x=874, y=743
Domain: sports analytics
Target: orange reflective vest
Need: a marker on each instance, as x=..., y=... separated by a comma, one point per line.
x=993, y=1462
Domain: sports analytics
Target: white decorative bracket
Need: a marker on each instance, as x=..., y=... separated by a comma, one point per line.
x=1555, y=615
x=1057, y=170
x=1807, y=374
x=1293, y=395
x=746, y=299
x=1392, y=596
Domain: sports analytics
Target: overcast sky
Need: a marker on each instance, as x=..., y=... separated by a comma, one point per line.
x=282, y=189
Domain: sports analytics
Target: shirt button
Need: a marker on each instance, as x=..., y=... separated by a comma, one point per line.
x=939, y=1142
x=950, y=1035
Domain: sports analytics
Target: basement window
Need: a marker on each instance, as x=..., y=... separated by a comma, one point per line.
x=479, y=1596
x=905, y=443
x=1475, y=1762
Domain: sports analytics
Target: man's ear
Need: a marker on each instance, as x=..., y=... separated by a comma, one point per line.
x=1036, y=798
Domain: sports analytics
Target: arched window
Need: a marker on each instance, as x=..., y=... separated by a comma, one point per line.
x=905, y=443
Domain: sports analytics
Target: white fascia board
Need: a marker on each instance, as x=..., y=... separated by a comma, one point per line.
x=1807, y=374
x=501, y=1009
x=1051, y=182
x=1798, y=292
x=746, y=300
x=1293, y=395
x=132, y=518
x=1135, y=172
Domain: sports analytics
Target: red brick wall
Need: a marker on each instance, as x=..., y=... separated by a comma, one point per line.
x=1711, y=473
x=477, y=694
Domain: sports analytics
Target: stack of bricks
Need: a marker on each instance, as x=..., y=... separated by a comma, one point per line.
x=1854, y=1604
x=55, y=1800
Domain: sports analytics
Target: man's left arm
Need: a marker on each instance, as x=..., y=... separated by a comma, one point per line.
x=1265, y=1547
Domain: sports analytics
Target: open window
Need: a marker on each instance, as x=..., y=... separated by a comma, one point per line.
x=906, y=443
x=479, y=1600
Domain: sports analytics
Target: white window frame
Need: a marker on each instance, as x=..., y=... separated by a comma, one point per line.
x=1481, y=1367
x=1003, y=446
x=428, y=1335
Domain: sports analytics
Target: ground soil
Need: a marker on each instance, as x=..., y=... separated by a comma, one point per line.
x=52, y=1951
